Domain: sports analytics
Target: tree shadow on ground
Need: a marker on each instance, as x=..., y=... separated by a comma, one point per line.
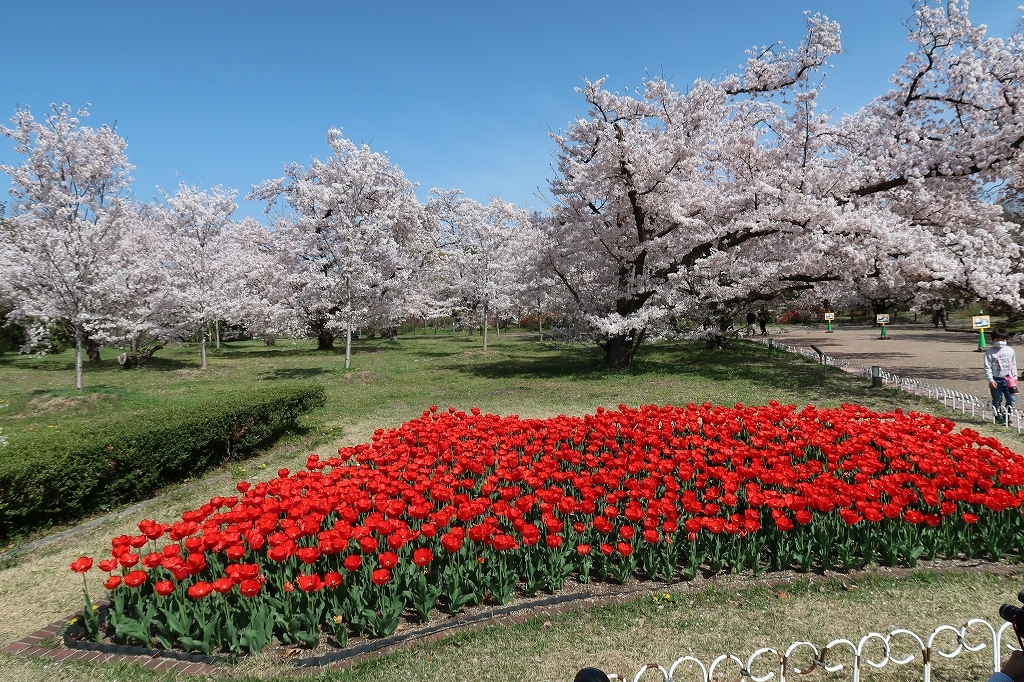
x=743, y=362
x=296, y=373
x=158, y=364
x=582, y=363
x=56, y=363
x=778, y=369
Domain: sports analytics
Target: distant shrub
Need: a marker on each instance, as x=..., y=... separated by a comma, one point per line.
x=797, y=317
x=64, y=475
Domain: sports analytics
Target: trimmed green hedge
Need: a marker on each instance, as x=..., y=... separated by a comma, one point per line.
x=64, y=475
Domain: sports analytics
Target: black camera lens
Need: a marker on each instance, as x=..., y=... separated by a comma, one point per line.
x=1011, y=613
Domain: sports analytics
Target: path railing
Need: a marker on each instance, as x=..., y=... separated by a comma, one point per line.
x=807, y=352
x=899, y=647
x=954, y=400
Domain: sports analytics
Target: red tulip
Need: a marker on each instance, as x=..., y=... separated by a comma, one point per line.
x=309, y=583
x=200, y=590
x=387, y=560
x=135, y=578
x=223, y=585
x=421, y=557
x=451, y=542
x=308, y=555
x=249, y=588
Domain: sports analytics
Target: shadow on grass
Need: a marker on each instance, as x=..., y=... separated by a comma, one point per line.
x=737, y=362
x=271, y=352
x=159, y=364
x=296, y=373
x=760, y=366
x=576, y=363
x=60, y=363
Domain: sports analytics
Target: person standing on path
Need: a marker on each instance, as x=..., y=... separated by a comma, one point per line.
x=751, y=318
x=1001, y=371
x=938, y=314
x=762, y=320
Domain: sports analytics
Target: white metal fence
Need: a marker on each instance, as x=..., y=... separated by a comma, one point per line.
x=955, y=400
x=808, y=352
x=900, y=647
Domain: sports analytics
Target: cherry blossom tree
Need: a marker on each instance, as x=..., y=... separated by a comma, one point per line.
x=486, y=252
x=140, y=311
x=66, y=219
x=686, y=207
x=354, y=227
x=270, y=281
x=194, y=225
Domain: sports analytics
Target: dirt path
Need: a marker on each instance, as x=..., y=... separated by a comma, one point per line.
x=943, y=358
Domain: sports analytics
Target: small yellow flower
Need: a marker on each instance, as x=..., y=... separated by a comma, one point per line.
x=95, y=608
x=338, y=620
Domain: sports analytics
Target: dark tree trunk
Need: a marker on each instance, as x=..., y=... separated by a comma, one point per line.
x=717, y=340
x=93, y=350
x=620, y=349
x=136, y=356
x=325, y=341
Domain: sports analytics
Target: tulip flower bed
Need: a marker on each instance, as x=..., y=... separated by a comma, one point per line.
x=453, y=510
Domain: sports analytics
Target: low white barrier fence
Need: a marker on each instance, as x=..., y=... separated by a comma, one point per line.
x=873, y=650
x=955, y=400
x=808, y=352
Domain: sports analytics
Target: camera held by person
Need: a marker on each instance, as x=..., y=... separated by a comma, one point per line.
x=1013, y=667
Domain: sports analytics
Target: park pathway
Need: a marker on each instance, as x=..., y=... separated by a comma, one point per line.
x=943, y=358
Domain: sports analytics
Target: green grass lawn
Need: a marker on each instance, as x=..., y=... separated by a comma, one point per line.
x=393, y=381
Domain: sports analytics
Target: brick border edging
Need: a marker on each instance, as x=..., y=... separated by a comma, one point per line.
x=30, y=646
x=155, y=661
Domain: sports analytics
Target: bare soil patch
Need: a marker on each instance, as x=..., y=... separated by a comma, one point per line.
x=47, y=404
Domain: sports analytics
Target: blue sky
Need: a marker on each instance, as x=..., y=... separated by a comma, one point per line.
x=459, y=94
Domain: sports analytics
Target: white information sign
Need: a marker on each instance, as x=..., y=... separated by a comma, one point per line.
x=882, y=319
x=980, y=322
